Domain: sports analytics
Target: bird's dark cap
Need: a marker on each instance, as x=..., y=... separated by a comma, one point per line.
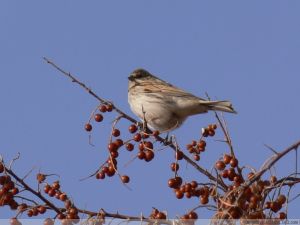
x=138, y=73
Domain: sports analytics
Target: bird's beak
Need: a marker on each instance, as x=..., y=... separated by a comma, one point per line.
x=130, y=78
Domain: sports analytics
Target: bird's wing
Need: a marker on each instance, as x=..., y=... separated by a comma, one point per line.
x=168, y=90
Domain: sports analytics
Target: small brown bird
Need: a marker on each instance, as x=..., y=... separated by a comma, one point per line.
x=164, y=106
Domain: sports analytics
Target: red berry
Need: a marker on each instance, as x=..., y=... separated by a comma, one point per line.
x=137, y=137
x=225, y=174
x=174, y=167
x=102, y=108
x=227, y=158
x=282, y=215
x=201, y=144
x=129, y=147
x=141, y=146
x=196, y=157
x=148, y=145
x=109, y=108
x=30, y=213
x=187, y=187
x=111, y=171
x=88, y=127
x=281, y=199
x=178, y=180
x=204, y=199
x=114, y=154
x=47, y=188
x=172, y=183
x=41, y=209
x=112, y=147
x=56, y=185
x=275, y=206
x=132, y=128
x=179, y=194
x=63, y=197
x=98, y=117
x=52, y=192
x=149, y=155
x=179, y=155
x=116, y=132
x=211, y=133
x=220, y=165
x=234, y=162
x=141, y=155
x=119, y=142
x=125, y=179
x=193, y=215
x=100, y=175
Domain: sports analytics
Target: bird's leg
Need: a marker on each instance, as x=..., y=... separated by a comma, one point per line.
x=167, y=140
x=144, y=120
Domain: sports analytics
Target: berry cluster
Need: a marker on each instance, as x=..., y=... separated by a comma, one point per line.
x=70, y=214
x=141, y=139
x=190, y=217
x=191, y=189
x=249, y=202
x=157, y=215
x=7, y=190
x=209, y=130
x=196, y=147
x=54, y=191
x=98, y=117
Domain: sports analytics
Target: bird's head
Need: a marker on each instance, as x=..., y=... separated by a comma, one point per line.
x=139, y=75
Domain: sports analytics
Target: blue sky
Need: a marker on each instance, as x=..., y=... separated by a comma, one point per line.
x=247, y=52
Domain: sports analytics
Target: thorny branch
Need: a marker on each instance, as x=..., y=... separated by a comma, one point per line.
x=274, y=159
x=60, y=210
x=124, y=115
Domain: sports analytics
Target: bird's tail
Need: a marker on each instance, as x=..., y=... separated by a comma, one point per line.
x=224, y=106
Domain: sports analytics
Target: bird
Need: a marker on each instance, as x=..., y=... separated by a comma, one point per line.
x=164, y=107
